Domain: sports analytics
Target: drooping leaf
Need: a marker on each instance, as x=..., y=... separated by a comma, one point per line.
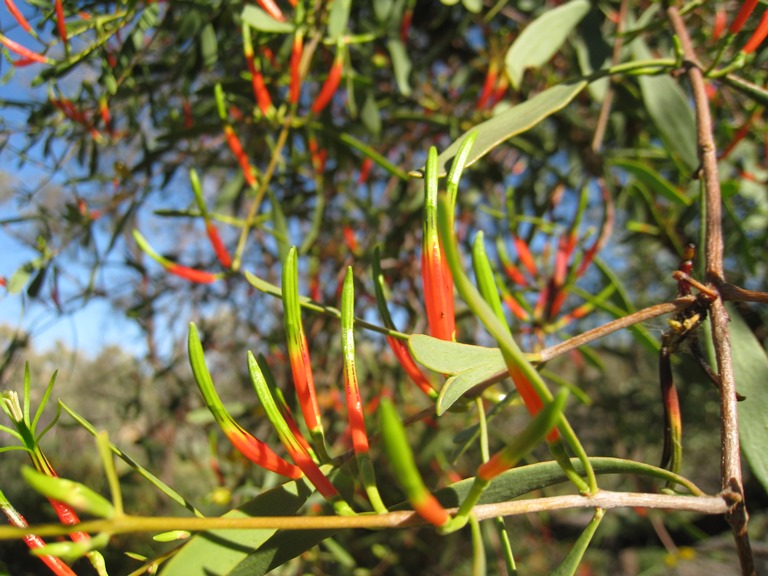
x=453, y=357
x=655, y=182
x=282, y=547
x=221, y=551
x=524, y=479
x=572, y=561
x=512, y=122
x=750, y=366
x=260, y=20
x=401, y=64
x=209, y=46
x=542, y=38
x=337, y=20
x=670, y=110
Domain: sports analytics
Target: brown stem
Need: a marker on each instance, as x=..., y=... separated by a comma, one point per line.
x=601, y=499
x=615, y=325
x=731, y=460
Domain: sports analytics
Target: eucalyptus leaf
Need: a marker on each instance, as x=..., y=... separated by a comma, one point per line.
x=542, y=38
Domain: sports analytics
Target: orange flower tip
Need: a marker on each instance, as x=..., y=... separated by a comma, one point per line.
x=191, y=274
x=431, y=510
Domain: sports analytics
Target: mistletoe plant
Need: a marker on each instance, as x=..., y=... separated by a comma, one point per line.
x=506, y=289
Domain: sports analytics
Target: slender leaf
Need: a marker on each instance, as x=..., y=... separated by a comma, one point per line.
x=221, y=551
x=401, y=63
x=655, y=182
x=542, y=38
x=670, y=110
x=572, y=561
x=750, y=366
x=514, y=121
x=257, y=18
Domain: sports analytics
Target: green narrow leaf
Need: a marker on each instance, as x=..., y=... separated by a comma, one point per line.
x=282, y=235
x=524, y=479
x=260, y=20
x=285, y=545
x=542, y=38
x=513, y=122
x=146, y=474
x=337, y=19
x=401, y=63
x=72, y=493
x=572, y=561
x=750, y=366
x=670, y=110
x=209, y=46
x=370, y=114
x=653, y=180
x=221, y=551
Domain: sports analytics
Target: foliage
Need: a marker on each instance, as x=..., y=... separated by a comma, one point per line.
x=271, y=172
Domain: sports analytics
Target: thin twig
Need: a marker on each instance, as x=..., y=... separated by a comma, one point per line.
x=731, y=460
x=605, y=108
x=602, y=499
x=615, y=325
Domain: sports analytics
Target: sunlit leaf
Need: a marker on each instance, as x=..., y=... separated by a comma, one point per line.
x=542, y=38
x=401, y=63
x=510, y=123
x=260, y=20
x=220, y=551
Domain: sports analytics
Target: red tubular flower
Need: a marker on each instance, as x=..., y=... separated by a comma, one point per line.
x=350, y=240
x=56, y=565
x=218, y=246
x=258, y=452
x=22, y=51
x=405, y=25
x=272, y=9
x=331, y=84
x=365, y=170
x=500, y=91
x=191, y=274
x=490, y=81
x=60, y=24
x=403, y=355
x=19, y=17
x=514, y=274
x=186, y=108
x=744, y=13
x=738, y=136
x=259, y=88
x=758, y=36
x=525, y=256
x=242, y=158
x=296, y=51
x=719, y=25
x=106, y=117
x=514, y=306
x=438, y=292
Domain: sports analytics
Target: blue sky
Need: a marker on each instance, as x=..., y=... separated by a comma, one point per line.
x=96, y=324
